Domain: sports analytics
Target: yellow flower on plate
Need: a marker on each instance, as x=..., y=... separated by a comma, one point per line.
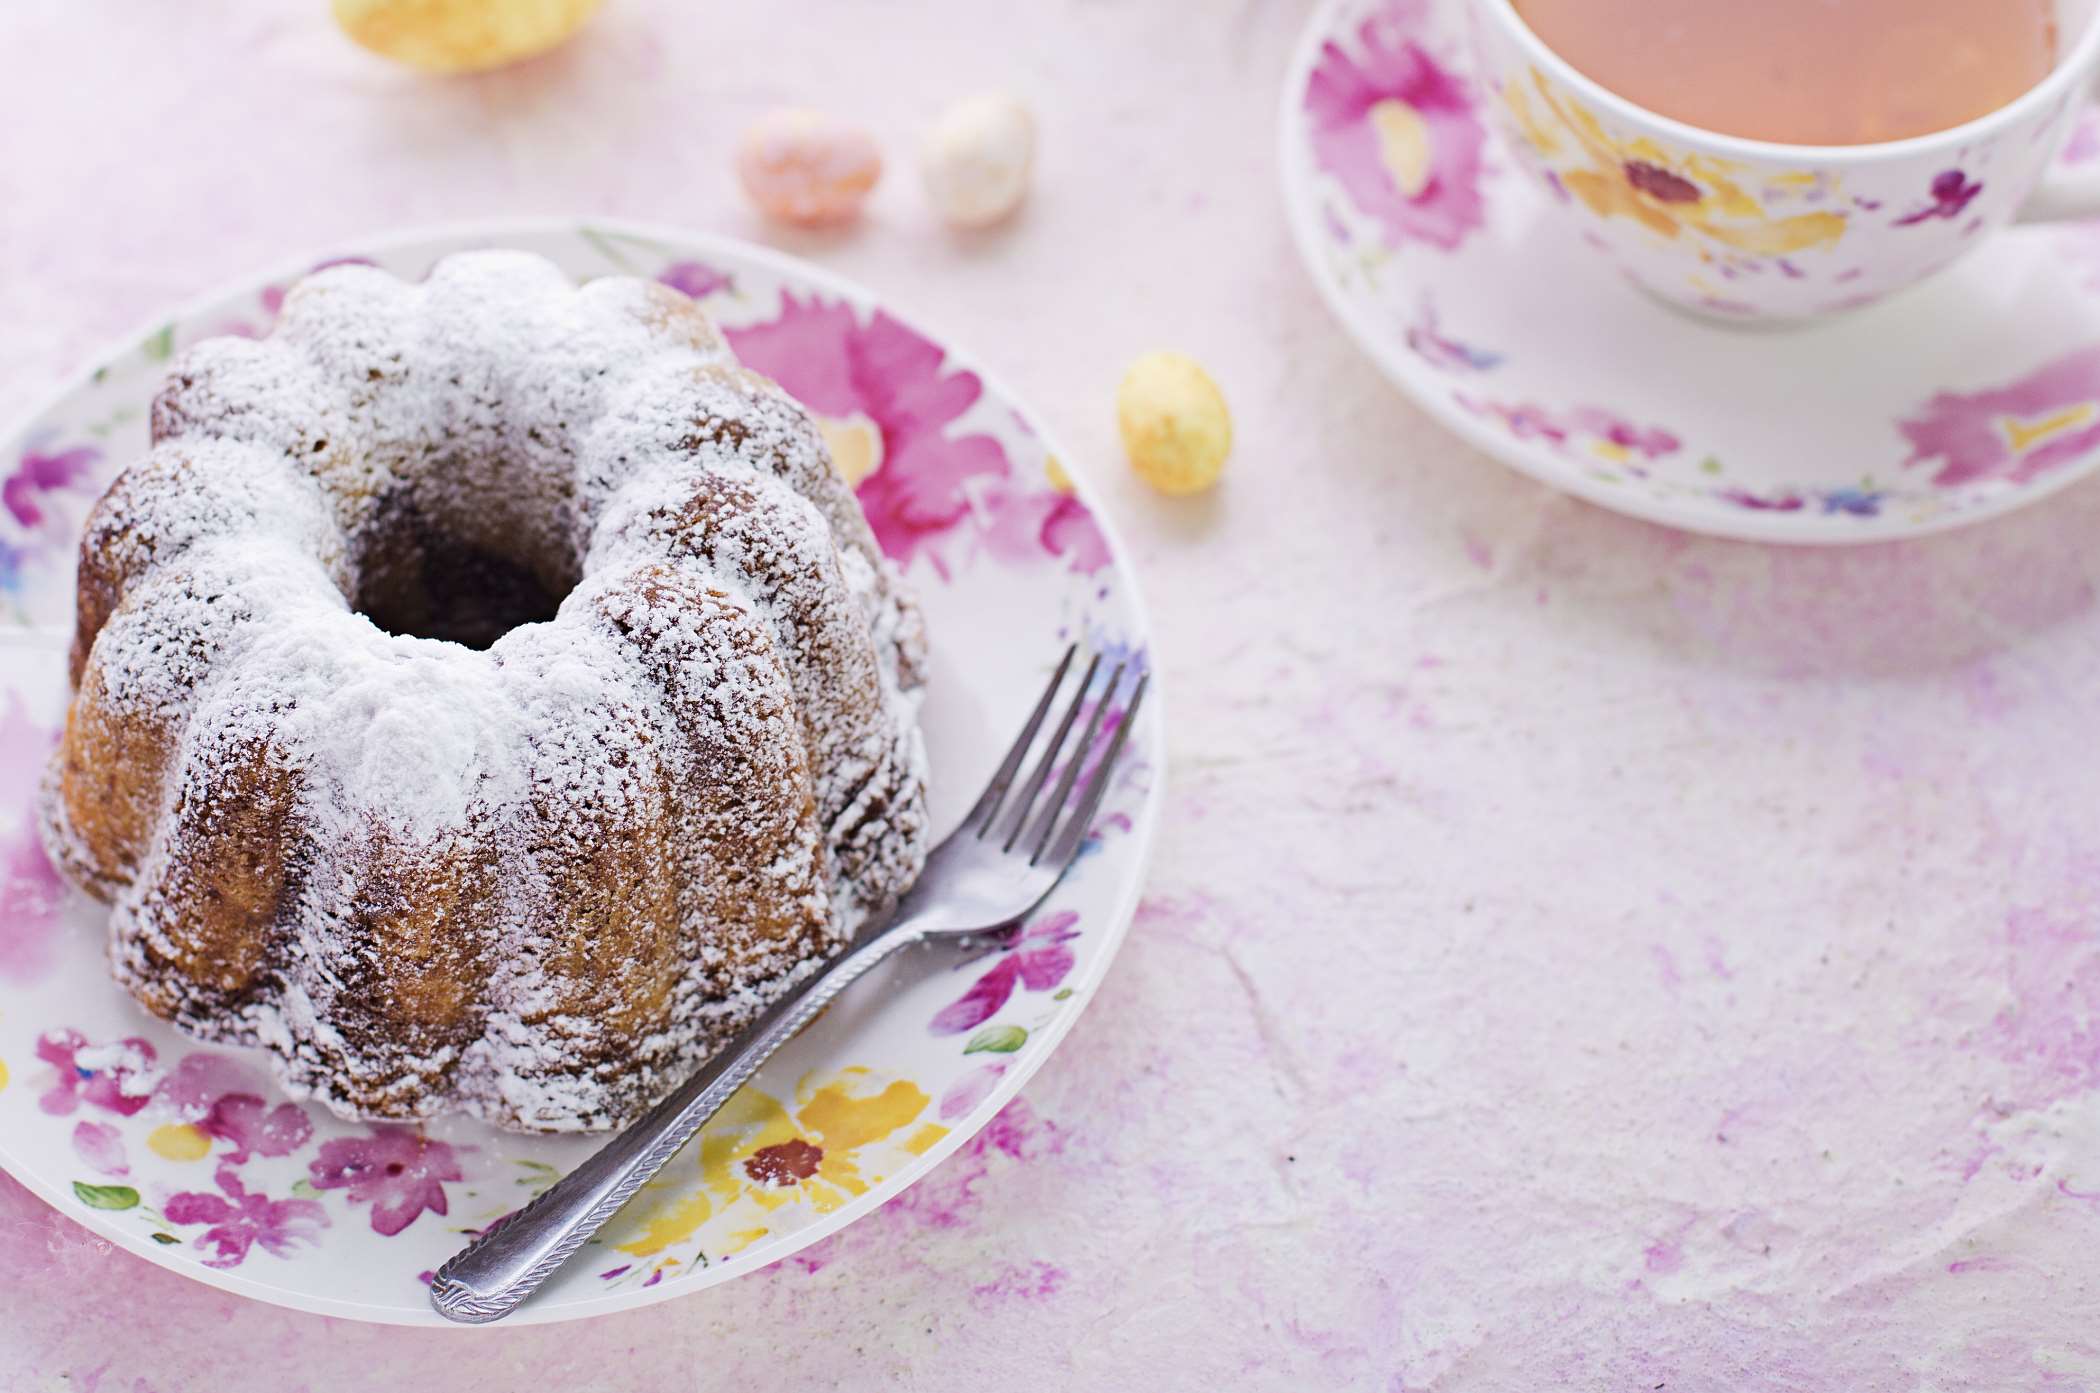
x=758, y=1157
x=1668, y=193
x=855, y=445
x=178, y=1141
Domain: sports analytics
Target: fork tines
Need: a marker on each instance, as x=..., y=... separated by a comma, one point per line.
x=1048, y=838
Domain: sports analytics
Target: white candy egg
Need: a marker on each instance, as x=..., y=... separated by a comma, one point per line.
x=976, y=159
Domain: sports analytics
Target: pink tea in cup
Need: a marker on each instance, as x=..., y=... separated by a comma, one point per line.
x=1806, y=72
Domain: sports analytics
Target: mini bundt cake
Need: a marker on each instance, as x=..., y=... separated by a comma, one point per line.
x=487, y=696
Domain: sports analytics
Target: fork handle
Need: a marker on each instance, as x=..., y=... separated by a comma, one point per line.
x=486, y=1280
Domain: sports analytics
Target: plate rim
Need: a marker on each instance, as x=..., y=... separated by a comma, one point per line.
x=1140, y=838
x=1751, y=525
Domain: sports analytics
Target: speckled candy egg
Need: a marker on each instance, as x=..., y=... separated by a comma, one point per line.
x=806, y=167
x=1175, y=427
x=976, y=160
x=461, y=36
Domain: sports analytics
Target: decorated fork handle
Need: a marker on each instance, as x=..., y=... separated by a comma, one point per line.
x=486, y=1280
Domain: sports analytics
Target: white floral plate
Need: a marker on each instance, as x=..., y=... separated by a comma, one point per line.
x=1969, y=396
x=188, y=1156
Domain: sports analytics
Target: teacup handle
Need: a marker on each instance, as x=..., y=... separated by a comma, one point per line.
x=2066, y=194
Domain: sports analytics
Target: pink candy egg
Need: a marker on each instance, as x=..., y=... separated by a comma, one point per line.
x=806, y=167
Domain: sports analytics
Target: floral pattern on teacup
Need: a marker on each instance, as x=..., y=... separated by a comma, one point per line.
x=1672, y=193
x=1532, y=371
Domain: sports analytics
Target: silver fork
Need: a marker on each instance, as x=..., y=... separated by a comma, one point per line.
x=989, y=873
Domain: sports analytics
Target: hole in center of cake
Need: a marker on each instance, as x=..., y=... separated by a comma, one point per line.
x=428, y=582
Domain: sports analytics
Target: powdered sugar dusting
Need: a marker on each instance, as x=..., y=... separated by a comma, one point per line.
x=539, y=881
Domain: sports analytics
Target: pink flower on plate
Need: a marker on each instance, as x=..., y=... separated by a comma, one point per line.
x=117, y=1077
x=888, y=406
x=24, y=746
x=2017, y=432
x=241, y=1219
x=30, y=893
x=242, y=1119
x=1048, y=524
x=1607, y=428
x=199, y=1080
x=970, y=1090
x=397, y=1170
x=100, y=1147
x=913, y=476
x=1398, y=131
x=1036, y=958
x=38, y=472
x=1602, y=433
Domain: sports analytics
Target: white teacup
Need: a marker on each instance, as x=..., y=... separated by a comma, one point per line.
x=1755, y=230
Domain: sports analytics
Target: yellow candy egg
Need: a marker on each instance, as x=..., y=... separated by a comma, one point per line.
x=806, y=167
x=1175, y=427
x=461, y=36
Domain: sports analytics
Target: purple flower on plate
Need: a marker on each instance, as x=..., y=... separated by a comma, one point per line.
x=1398, y=132
x=696, y=278
x=1426, y=339
x=37, y=472
x=117, y=1077
x=1860, y=503
x=397, y=1170
x=1757, y=503
x=241, y=1219
x=1036, y=959
x=1952, y=193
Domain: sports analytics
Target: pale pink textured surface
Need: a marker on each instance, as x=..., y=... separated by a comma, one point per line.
x=1578, y=955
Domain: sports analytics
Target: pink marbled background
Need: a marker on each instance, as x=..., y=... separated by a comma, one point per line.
x=1577, y=956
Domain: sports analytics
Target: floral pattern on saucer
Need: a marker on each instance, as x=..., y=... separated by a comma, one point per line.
x=1901, y=420
x=191, y=1157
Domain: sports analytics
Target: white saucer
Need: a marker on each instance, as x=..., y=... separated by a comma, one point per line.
x=1967, y=397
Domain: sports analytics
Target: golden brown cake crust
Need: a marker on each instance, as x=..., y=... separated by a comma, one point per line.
x=537, y=880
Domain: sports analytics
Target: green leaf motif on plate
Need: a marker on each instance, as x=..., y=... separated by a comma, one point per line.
x=304, y=1189
x=167, y=1238
x=997, y=1039
x=160, y=344
x=105, y=1196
